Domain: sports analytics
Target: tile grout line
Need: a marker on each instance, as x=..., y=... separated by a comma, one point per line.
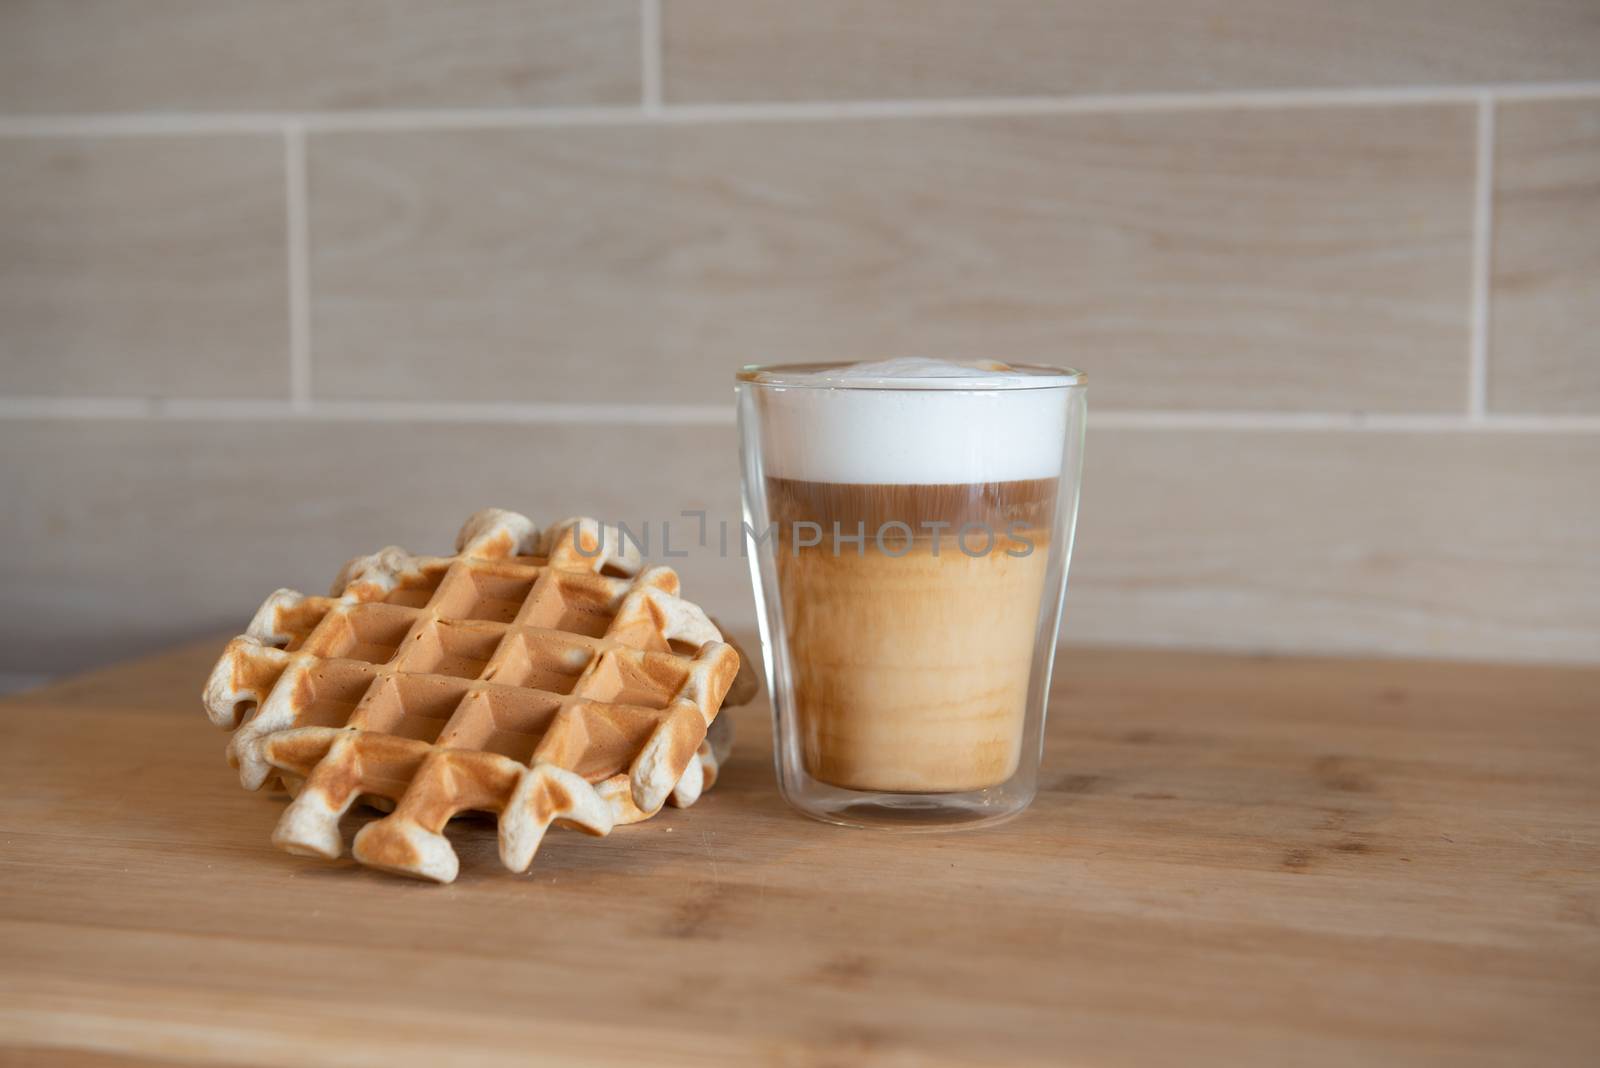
x=489, y=118
x=1482, y=261
x=1112, y=103
x=650, y=57
x=294, y=143
x=705, y=415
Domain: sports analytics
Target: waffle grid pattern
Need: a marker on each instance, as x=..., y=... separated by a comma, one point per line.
x=541, y=677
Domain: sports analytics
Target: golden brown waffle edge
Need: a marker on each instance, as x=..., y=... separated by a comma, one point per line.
x=540, y=676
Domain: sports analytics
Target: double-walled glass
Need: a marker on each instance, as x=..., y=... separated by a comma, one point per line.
x=908, y=545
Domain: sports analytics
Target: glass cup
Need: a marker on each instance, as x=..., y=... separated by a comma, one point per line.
x=908, y=542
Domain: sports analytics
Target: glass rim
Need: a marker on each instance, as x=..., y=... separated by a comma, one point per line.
x=802, y=376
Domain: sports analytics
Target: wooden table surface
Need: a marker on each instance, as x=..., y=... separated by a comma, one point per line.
x=1233, y=860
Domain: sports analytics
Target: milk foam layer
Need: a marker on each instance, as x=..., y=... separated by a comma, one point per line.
x=914, y=422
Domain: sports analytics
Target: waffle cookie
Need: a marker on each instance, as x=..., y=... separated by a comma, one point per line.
x=541, y=676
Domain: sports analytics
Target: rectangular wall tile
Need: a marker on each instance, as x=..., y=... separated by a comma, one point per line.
x=1437, y=544
x=1545, y=316
x=143, y=266
x=135, y=534
x=841, y=49
x=1468, y=545
x=1304, y=259
x=254, y=55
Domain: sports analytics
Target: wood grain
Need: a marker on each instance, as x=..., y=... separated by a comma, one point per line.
x=836, y=49
x=1546, y=288
x=1232, y=861
x=245, y=55
x=143, y=266
x=1303, y=259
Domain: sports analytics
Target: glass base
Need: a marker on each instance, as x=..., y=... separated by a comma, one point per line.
x=909, y=813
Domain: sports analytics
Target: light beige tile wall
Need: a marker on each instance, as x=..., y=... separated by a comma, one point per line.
x=842, y=49
x=1191, y=254
x=281, y=282
x=131, y=56
x=143, y=266
x=1546, y=310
